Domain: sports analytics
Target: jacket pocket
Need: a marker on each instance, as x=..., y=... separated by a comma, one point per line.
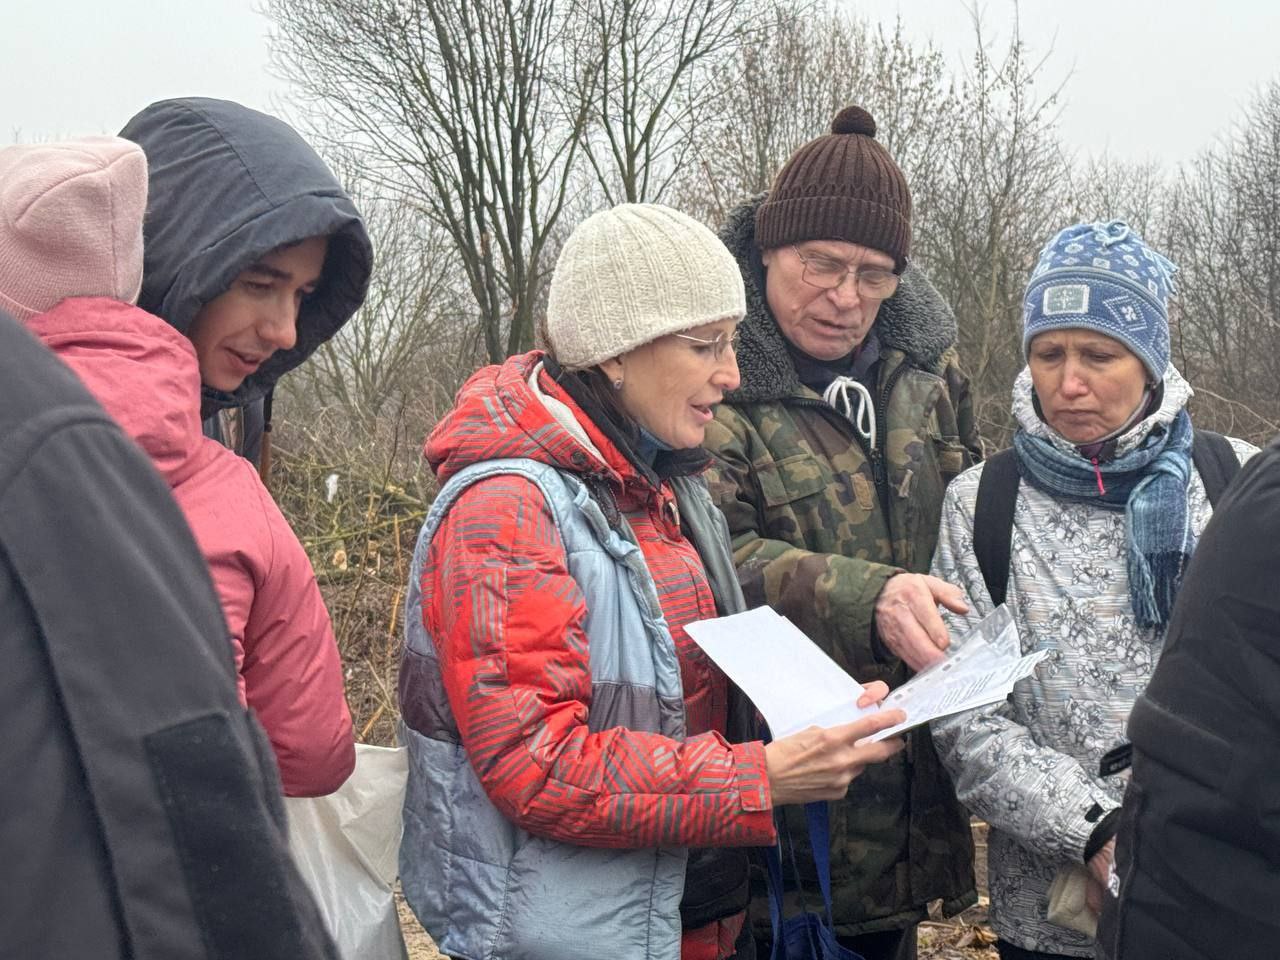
x=792, y=478
x=953, y=457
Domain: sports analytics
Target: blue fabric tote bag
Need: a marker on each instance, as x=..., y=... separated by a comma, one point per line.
x=809, y=936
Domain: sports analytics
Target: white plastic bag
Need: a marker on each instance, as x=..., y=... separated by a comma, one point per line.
x=347, y=845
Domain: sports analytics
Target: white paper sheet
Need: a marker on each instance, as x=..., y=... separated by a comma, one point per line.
x=790, y=680
x=795, y=685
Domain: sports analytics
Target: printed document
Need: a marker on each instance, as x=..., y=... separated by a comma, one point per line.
x=795, y=685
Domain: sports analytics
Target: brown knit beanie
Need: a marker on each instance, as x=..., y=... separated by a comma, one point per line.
x=840, y=186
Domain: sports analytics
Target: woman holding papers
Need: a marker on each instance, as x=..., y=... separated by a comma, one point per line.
x=568, y=742
x=1104, y=496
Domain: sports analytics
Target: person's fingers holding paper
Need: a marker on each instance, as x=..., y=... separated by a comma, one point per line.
x=873, y=693
x=819, y=763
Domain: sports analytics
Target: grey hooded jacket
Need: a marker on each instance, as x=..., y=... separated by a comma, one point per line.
x=228, y=185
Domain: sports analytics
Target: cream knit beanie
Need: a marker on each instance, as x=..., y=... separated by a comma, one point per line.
x=635, y=273
x=70, y=222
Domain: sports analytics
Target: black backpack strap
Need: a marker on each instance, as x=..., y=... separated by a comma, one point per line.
x=993, y=521
x=1216, y=462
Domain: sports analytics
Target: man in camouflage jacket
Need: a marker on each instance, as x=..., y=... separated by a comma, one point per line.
x=834, y=503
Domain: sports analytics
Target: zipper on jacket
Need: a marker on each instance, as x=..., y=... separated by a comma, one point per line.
x=882, y=417
x=875, y=455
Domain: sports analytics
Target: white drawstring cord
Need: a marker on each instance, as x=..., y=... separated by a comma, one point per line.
x=864, y=421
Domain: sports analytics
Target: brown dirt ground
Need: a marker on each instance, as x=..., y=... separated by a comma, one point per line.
x=415, y=938
x=966, y=937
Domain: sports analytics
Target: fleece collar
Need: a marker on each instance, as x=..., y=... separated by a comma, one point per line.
x=915, y=320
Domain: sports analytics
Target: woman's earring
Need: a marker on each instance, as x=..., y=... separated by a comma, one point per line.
x=617, y=383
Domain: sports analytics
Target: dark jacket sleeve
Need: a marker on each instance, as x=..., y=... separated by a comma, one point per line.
x=150, y=761
x=55, y=906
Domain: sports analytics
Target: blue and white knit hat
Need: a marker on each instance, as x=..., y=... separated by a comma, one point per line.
x=1103, y=277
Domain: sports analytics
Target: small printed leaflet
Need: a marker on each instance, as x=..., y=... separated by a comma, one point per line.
x=979, y=669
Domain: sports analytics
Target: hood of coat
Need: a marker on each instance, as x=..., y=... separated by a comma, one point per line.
x=143, y=372
x=1175, y=393
x=915, y=320
x=515, y=409
x=227, y=186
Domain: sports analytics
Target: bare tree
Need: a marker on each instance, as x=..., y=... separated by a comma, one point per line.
x=914, y=100
x=648, y=69
x=1224, y=234
x=777, y=94
x=999, y=193
x=415, y=331
x=458, y=101
x=1104, y=188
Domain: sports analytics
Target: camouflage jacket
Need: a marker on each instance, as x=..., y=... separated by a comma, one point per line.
x=819, y=524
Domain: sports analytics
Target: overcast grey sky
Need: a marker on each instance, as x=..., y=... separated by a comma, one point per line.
x=73, y=67
x=1145, y=79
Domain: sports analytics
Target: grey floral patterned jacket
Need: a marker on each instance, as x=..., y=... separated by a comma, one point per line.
x=1028, y=766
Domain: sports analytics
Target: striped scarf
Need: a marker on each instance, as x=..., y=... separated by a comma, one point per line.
x=1150, y=484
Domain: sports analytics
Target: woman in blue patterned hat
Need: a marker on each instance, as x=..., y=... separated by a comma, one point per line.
x=1108, y=501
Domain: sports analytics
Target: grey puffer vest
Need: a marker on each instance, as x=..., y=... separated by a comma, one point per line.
x=484, y=888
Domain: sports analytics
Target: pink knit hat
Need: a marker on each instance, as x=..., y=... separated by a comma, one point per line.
x=70, y=222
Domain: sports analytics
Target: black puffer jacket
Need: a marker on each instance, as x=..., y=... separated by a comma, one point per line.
x=1198, y=850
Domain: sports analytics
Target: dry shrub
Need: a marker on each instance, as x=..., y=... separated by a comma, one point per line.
x=356, y=496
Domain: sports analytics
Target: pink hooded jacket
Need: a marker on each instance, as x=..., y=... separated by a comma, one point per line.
x=147, y=377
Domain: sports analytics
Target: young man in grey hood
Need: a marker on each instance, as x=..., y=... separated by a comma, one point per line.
x=254, y=251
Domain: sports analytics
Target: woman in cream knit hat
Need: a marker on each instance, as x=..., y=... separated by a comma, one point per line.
x=577, y=778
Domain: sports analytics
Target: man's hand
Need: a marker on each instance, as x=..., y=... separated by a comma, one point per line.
x=908, y=621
